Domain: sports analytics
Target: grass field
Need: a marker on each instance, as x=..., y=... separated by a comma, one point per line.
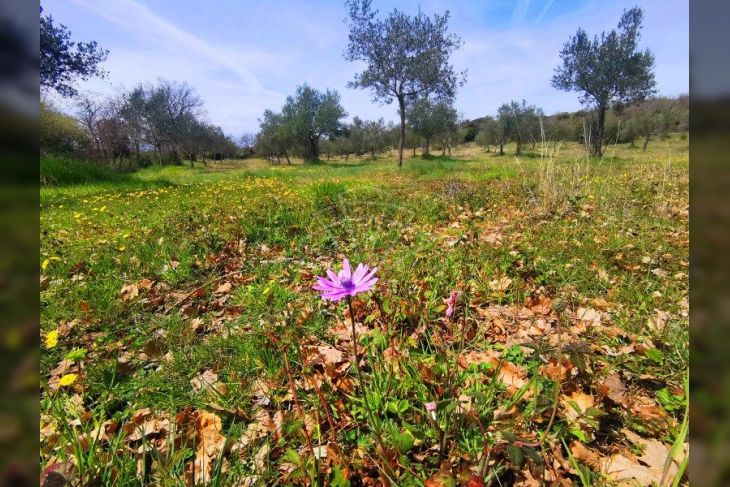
x=183, y=343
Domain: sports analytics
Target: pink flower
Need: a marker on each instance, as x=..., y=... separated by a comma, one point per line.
x=451, y=303
x=431, y=408
x=346, y=282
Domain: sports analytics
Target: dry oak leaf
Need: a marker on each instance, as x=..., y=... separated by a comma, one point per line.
x=145, y=284
x=144, y=424
x=588, y=316
x=576, y=405
x=512, y=376
x=658, y=323
x=208, y=381
x=209, y=443
x=224, y=288
x=501, y=284
x=614, y=388
x=581, y=453
x=653, y=467
x=129, y=292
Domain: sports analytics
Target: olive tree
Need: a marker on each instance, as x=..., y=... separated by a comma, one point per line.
x=406, y=56
x=488, y=133
x=518, y=122
x=275, y=136
x=607, y=69
x=433, y=119
x=310, y=115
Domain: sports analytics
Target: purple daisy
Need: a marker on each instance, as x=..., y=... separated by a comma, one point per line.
x=346, y=282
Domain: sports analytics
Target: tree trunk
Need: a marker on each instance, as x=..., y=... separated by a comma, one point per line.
x=414, y=151
x=372, y=152
x=314, y=148
x=402, y=113
x=519, y=147
x=598, y=143
x=501, y=148
x=646, y=141
x=448, y=147
x=426, y=150
x=190, y=156
x=286, y=154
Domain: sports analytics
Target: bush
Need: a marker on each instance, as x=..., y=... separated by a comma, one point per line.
x=60, y=133
x=62, y=171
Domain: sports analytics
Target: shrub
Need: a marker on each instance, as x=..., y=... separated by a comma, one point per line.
x=60, y=133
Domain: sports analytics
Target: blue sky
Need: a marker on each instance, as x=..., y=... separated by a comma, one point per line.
x=244, y=56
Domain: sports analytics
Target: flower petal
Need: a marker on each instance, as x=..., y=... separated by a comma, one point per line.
x=359, y=272
x=333, y=277
x=346, y=271
x=370, y=274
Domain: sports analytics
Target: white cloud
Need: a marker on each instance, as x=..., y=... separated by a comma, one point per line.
x=245, y=57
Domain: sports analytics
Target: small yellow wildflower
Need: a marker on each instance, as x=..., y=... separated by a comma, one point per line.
x=67, y=380
x=52, y=339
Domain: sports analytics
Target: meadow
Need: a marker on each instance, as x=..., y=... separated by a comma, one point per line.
x=183, y=344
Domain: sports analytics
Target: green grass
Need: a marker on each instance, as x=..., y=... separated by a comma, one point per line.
x=569, y=228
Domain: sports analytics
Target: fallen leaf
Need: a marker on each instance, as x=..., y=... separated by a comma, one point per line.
x=588, y=316
x=208, y=381
x=584, y=455
x=209, y=443
x=224, y=288
x=129, y=292
x=613, y=387
x=649, y=467
x=658, y=323
x=576, y=405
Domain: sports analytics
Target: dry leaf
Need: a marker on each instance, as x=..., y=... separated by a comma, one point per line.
x=130, y=291
x=649, y=467
x=578, y=399
x=208, y=381
x=614, y=388
x=224, y=288
x=209, y=443
x=588, y=316
x=584, y=455
x=658, y=323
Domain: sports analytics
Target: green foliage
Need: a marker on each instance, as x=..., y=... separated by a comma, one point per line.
x=62, y=171
x=607, y=69
x=63, y=61
x=304, y=120
x=431, y=119
x=406, y=56
x=310, y=115
x=60, y=133
x=520, y=123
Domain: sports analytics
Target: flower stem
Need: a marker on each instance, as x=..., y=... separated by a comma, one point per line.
x=361, y=386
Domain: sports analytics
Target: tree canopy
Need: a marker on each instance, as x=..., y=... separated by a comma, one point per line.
x=431, y=119
x=311, y=114
x=64, y=61
x=607, y=69
x=406, y=56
